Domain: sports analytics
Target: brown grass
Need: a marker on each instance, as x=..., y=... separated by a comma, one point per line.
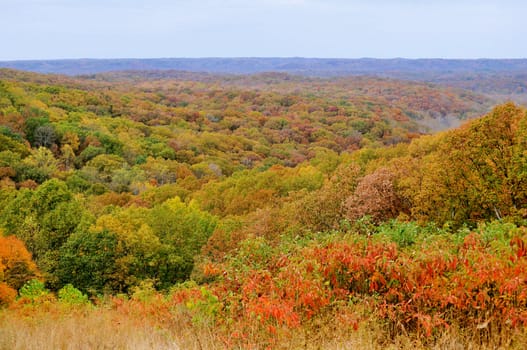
x=96, y=329
x=106, y=328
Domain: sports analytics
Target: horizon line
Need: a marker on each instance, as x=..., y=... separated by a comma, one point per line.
x=264, y=57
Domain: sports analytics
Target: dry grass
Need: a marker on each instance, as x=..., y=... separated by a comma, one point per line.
x=372, y=335
x=104, y=328
x=92, y=332
x=96, y=329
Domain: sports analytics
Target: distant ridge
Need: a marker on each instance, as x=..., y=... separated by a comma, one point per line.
x=396, y=67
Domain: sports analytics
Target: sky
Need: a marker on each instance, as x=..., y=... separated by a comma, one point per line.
x=55, y=29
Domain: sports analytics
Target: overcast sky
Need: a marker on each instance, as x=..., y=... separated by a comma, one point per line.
x=46, y=29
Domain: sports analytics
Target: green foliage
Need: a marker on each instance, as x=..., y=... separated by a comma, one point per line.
x=17, y=211
x=144, y=292
x=404, y=234
x=363, y=225
x=88, y=260
x=71, y=296
x=6, y=131
x=205, y=308
x=89, y=153
x=32, y=125
x=78, y=184
x=44, y=219
x=49, y=195
x=33, y=290
x=110, y=144
x=184, y=229
x=9, y=158
x=8, y=143
x=43, y=160
x=498, y=234
x=253, y=253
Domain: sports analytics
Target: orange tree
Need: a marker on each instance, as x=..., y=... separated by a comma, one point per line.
x=16, y=267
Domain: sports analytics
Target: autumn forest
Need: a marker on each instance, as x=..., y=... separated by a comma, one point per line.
x=179, y=210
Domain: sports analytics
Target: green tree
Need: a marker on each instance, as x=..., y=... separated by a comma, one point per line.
x=88, y=261
x=183, y=230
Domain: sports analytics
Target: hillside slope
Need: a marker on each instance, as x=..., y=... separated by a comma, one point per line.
x=253, y=211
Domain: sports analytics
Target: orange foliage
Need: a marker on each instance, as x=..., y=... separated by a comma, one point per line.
x=28, y=184
x=7, y=294
x=429, y=288
x=16, y=265
x=113, y=198
x=7, y=172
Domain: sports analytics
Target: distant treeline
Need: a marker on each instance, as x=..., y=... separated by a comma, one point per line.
x=397, y=67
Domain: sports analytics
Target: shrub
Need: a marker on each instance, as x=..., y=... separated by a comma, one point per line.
x=72, y=296
x=33, y=290
x=402, y=233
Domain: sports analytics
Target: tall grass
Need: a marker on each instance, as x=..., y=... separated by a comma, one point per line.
x=88, y=329
x=105, y=328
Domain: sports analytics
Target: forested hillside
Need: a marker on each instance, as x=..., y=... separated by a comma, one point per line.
x=253, y=211
x=501, y=79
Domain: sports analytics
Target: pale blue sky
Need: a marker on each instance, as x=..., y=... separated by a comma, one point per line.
x=46, y=29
